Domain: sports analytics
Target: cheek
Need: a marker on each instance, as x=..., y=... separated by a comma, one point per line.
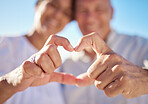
x=66, y=20
x=43, y=19
x=104, y=20
x=62, y=24
x=81, y=21
x=80, y=17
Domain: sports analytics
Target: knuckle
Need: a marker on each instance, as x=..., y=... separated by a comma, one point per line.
x=26, y=64
x=108, y=92
x=100, y=78
x=95, y=34
x=52, y=36
x=116, y=68
x=99, y=85
x=66, y=41
x=50, y=71
x=119, y=69
x=116, y=57
x=58, y=63
x=113, y=56
x=49, y=68
x=45, y=67
x=125, y=80
x=51, y=48
x=40, y=58
x=90, y=74
x=107, y=59
x=83, y=39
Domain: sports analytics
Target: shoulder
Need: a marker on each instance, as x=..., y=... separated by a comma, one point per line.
x=10, y=44
x=10, y=40
x=137, y=40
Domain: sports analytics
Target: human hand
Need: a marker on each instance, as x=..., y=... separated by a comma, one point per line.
x=111, y=72
x=39, y=69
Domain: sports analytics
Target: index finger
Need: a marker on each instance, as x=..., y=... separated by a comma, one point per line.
x=59, y=41
x=93, y=41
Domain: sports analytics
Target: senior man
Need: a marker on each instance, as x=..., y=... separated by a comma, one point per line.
x=122, y=72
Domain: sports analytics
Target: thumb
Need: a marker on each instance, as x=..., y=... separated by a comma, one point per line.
x=59, y=41
x=93, y=41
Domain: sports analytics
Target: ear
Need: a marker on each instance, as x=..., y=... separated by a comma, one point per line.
x=112, y=12
x=36, y=7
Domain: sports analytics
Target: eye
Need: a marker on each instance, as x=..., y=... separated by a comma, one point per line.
x=54, y=5
x=83, y=11
x=67, y=13
x=100, y=9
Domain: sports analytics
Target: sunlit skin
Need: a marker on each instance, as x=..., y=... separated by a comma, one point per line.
x=54, y=16
x=94, y=16
x=50, y=17
x=109, y=72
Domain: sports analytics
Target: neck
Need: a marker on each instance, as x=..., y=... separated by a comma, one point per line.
x=36, y=39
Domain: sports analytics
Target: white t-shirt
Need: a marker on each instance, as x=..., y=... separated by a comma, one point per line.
x=134, y=49
x=15, y=50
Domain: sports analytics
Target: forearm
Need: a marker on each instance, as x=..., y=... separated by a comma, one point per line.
x=6, y=90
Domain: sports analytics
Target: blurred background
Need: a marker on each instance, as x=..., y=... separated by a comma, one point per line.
x=130, y=17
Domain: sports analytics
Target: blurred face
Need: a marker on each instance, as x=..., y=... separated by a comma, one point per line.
x=52, y=15
x=94, y=16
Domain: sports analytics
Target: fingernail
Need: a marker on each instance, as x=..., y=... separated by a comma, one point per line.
x=70, y=47
x=42, y=75
x=98, y=82
x=76, y=49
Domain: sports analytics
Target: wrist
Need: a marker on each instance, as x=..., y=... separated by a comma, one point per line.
x=6, y=86
x=6, y=90
x=145, y=79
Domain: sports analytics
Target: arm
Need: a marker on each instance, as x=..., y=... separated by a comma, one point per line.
x=37, y=70
x=5, y=89
x=112, y=73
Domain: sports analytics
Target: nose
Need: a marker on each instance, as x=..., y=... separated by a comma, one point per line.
x=91, y=17
x=58, y=14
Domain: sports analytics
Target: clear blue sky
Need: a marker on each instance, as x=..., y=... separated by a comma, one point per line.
x=131, y=17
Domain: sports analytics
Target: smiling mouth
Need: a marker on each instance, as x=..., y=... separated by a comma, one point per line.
x=89, y=30
x=51, y=23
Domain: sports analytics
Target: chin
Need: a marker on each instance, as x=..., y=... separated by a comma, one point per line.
x=50, y=31
x=87, y=32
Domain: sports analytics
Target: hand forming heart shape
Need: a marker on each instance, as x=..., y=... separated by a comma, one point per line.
x=48, y=59
x=110, y=72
